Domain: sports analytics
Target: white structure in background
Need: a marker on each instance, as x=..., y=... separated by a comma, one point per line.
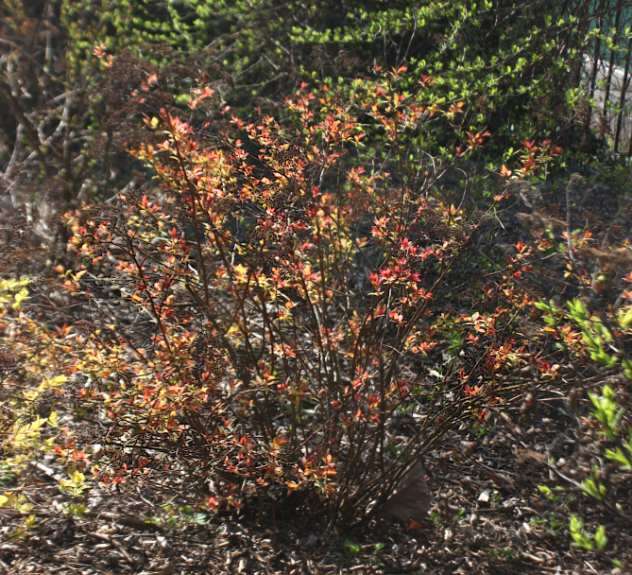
x=617, y=79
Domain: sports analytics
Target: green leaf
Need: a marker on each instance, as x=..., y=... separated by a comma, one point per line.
x=601, y=540
x=578, y=535
x=625, y=318
x=619, y=457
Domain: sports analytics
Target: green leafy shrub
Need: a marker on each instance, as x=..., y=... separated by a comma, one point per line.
x=584, y=539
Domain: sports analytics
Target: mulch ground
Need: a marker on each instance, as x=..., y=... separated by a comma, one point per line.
x=487, y=516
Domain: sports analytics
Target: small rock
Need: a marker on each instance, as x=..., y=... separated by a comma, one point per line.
x=484, y=496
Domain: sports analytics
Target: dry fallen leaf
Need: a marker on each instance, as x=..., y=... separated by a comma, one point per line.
x=411, y=501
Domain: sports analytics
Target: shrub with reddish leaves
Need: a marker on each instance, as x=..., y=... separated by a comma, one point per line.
x=275, y=306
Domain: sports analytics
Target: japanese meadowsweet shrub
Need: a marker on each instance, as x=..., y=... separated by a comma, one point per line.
x=275, y=295
x=34, y=408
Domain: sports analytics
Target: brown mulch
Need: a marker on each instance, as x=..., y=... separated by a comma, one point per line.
x=487, y=516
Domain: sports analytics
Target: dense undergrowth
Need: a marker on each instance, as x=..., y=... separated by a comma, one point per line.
x=274, y=271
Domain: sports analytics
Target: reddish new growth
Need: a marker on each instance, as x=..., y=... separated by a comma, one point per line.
x=279, y=290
